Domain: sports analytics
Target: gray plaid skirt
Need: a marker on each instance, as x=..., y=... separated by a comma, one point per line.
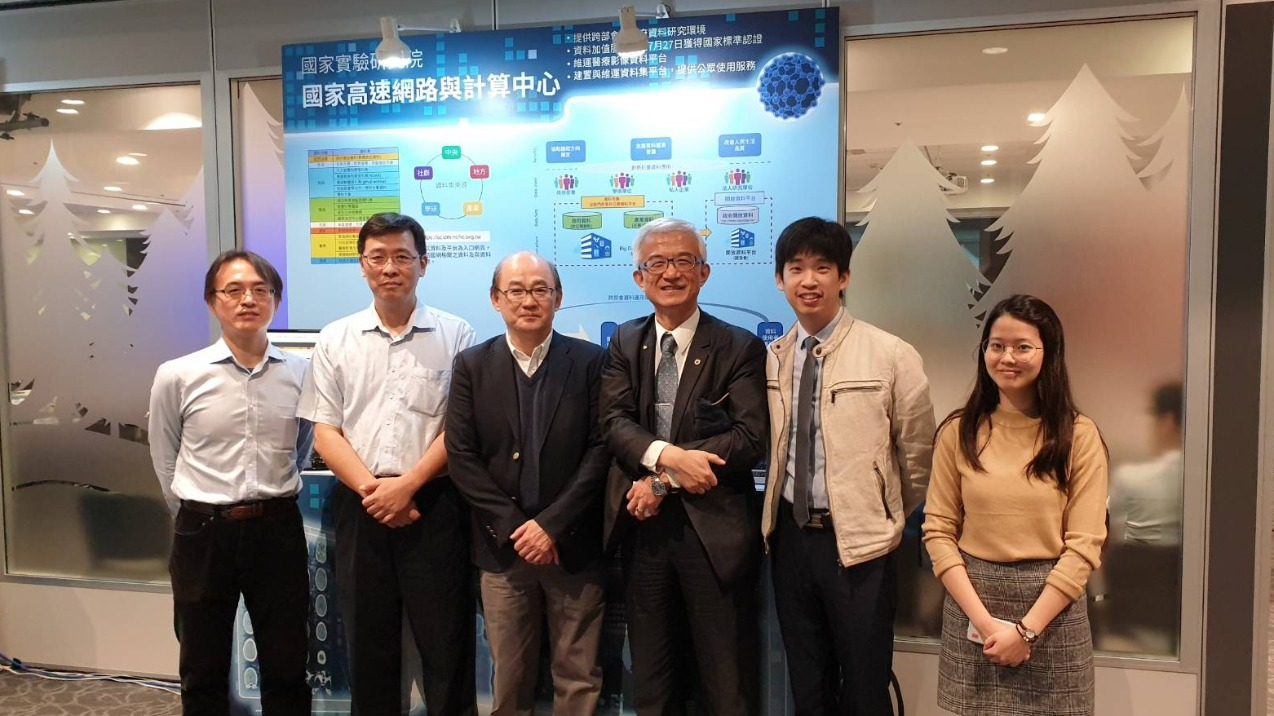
x=1057, y=681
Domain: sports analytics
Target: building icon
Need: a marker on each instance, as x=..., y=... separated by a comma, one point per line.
x=594, y=246
x=742, y=239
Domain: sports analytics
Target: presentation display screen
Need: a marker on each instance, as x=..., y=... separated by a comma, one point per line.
x=545, y=139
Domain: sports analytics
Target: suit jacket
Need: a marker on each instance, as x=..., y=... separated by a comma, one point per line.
x=484, y=443
x=720, y=407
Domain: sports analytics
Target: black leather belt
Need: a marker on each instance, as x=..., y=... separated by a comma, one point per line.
x=242, y=510
x=820, y=520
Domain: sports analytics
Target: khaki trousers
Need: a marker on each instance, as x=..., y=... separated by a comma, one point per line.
x=515, y=603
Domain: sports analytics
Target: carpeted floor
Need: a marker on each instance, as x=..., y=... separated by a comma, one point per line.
x=27, y=695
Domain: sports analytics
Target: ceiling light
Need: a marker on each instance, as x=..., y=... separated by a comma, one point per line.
x=990, y=147
x=112, y=188
x=127, y=160
x=994, y=50
x=988, y=162
x=67, y=110
x=76, y=102
x=630, y=41
x=25, y=212
x=1036, y=117
x=392, y=52
x=175, y=120
x=139, y=207
x=137, y=154
x=987, y=180
x=16, y=192
x=103, y=211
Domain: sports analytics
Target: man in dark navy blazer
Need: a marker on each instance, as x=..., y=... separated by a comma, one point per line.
x=525, y=449
x=685, y=415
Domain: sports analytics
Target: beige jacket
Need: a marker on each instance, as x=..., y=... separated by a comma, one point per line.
x=877, y=431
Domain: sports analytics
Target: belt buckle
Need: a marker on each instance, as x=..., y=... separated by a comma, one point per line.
x=819, y=521
x=243, y=512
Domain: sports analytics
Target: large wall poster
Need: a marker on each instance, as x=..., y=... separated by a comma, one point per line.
x=544, y=139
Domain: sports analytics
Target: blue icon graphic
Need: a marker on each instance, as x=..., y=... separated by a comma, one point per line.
x=594, y=246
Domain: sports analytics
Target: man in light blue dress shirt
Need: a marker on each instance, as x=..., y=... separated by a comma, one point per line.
x=228, y=450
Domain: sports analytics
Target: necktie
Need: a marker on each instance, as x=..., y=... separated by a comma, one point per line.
x=665, y=386
x=804, y=429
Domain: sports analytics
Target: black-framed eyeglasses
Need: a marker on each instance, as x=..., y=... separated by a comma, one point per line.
x=236, y=293
x=659, y=264
x=518, y=294
x=1021, y=351
x=400, y=260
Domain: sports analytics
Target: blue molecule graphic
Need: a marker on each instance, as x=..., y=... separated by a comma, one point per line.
x=790, y=85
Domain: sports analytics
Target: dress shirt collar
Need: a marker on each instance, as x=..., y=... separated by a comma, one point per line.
x=369, y=320
x=822, y=336
x=530, y=363
x=219, y=352
x=683, y=334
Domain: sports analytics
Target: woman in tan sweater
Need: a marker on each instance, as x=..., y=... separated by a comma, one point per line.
x=1014, y=522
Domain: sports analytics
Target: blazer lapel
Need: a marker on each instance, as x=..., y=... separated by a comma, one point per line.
x=502, y=382
x=558, y=366
x=646, y=374
x=696, y=360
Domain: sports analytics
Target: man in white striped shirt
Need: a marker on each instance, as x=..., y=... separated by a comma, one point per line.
x=228, y=449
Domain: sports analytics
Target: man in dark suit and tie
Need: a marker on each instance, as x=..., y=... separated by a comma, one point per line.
x=684, y=411
x=524, y=447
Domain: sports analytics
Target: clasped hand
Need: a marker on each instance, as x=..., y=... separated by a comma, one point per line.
x=1006, y=647
x=693, y=468
x=389, y=501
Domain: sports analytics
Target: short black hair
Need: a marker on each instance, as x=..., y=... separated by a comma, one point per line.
x=264, y=269
x=390, y=223
x=1168, y=400
x=816, y=237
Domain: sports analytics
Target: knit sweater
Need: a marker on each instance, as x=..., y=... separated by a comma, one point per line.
x=1002, y=515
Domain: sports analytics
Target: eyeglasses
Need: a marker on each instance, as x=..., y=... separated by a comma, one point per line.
x=659, y=264
x=518, y=294
x=1021, y=351
x=400, y=260
x=236, y=293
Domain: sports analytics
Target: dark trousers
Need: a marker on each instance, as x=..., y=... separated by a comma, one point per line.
x=837, y=622
x=213, y=561
x=673, y=593
x=424, y=568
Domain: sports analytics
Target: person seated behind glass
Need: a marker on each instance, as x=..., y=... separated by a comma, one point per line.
x=1144, y=563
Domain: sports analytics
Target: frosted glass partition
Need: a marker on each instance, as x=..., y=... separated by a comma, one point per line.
x=103, y=250
x=1050, y=161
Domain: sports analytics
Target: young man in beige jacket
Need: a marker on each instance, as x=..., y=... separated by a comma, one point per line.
x=851, y=439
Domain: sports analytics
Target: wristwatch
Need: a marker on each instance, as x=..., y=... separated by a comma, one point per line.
x=658, y=486
x=1028, y=634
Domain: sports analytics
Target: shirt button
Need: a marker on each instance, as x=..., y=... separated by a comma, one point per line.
x=516, y=455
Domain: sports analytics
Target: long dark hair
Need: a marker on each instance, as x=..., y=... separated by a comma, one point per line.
x=1052, y=392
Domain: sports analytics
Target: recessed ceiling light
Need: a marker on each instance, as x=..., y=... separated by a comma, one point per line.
x=175, y=120
x=76, y=102
x=988, y=180
x=1035, y=117
x=112, y=188
x=26, y=212
x=988, y=162
x=67, y=110
x=15, y=192
x=127, y=160
x=139, y=207
x=103, y=211
x=994, y=50
x=990, y=147
x=137, y=154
